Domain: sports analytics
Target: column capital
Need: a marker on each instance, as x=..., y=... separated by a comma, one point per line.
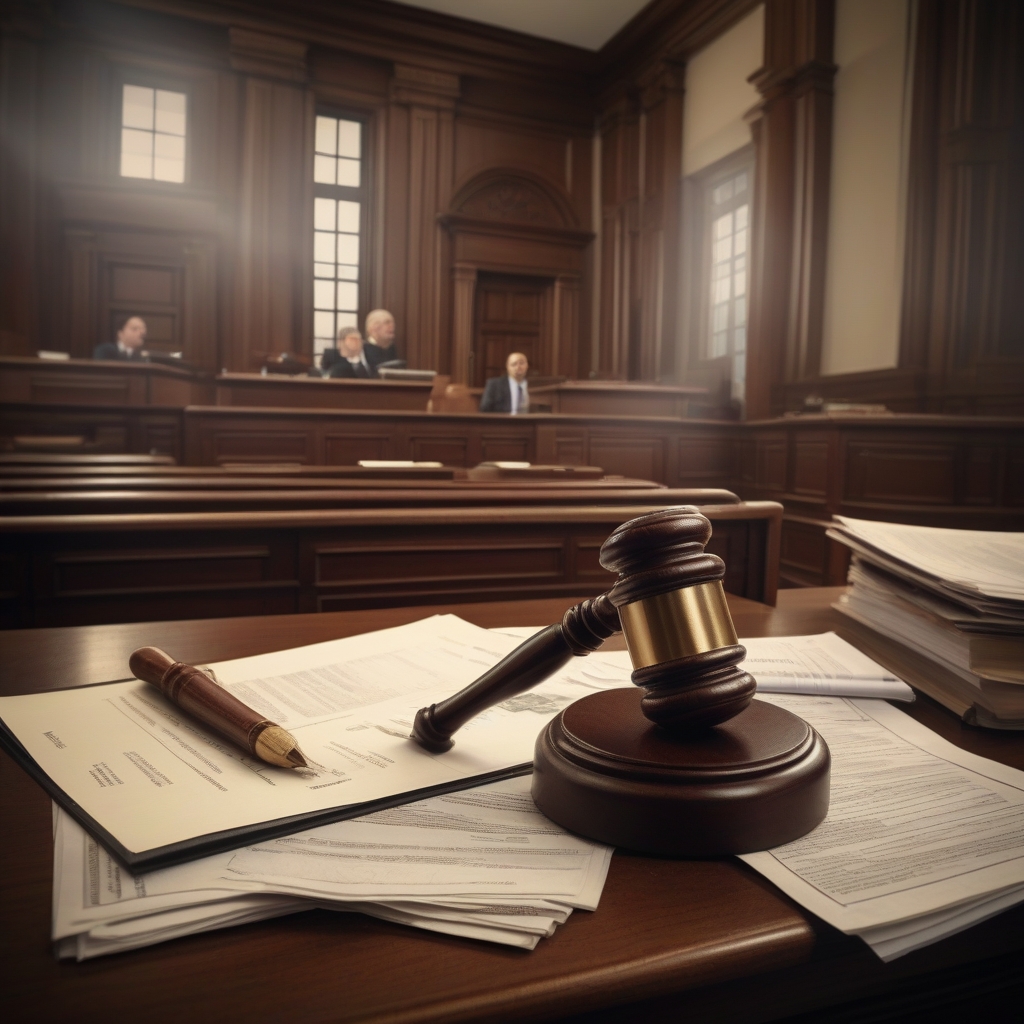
x=255, y=53
x=665, y=78
x=424, y=87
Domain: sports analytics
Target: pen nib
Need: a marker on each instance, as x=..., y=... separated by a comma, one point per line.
x=277, y=746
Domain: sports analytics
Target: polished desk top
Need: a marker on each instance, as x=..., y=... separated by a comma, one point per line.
x=667, y=934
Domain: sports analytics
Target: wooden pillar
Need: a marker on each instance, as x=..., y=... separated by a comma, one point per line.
x=19, y=223
x=463, y=298
x=421, y=136
x=792, y=131
x=661, y=101
x=620, y=130
x=80, y=319
x=199, y=306
x=273, y=298
x=566, y=325
x=978, y=253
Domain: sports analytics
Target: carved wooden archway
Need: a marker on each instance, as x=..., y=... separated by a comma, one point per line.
x=511, y=222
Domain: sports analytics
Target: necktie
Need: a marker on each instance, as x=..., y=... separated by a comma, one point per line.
x=519, y=403
x=360, y=370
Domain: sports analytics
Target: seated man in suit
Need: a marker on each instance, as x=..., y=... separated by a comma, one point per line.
x=380, y=337
x=508, y=393
x=349, y=358
x=130, y=339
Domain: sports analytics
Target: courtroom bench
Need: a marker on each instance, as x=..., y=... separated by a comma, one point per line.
x=616, y=398
x=92, y=499
x=687, y=453
x=948, y=471
x=83, y=569
x=101, y=383
x=208, y=478
x=32, y=462
x=271, y=391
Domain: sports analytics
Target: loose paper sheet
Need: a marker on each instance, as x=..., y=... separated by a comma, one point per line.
x=822, y=664
x=482, y=863
x=915, y=825
x=968, y=561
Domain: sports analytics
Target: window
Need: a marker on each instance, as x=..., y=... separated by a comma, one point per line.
x=727, y=308
x=152, y=134
x=337, y=215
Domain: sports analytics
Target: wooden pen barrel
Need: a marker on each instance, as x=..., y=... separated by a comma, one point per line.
x=195, y=692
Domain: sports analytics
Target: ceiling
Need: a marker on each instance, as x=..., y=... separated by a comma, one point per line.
x=586, y=23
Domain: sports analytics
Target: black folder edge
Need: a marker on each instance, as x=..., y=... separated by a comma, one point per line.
x=232, y=838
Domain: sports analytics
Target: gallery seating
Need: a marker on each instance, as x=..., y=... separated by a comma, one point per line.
x=93, y=499
x=128, y=567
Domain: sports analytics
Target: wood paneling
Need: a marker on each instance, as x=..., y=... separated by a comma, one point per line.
x=480, y=149
x=510, y=317
x=271, y=391
x=930, y=470
x=673, y=451
x=960, y=336
x=84, y=382
x=122, y=568
x=792, y=130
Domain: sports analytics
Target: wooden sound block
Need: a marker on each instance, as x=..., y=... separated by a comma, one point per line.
x=605, y=771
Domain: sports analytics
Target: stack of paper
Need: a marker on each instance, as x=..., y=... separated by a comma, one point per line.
x=483, y=864
x=944, y=609
x=921, y=841
x=480, y=863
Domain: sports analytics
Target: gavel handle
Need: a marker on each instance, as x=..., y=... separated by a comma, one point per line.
x=583, y=629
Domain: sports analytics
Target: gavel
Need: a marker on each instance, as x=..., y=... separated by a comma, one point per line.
x=685, y=764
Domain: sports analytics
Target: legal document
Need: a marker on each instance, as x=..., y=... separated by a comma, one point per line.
x=982, y=567
x=822, y=664
x=151, y=777
x=483, y=863
x=922, y=839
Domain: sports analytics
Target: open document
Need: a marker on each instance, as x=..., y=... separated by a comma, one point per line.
x=482, y=864
x=823, y=664
x=922, y=839
x=158, y=788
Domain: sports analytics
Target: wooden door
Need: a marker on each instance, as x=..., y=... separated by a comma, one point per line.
x=512, y=315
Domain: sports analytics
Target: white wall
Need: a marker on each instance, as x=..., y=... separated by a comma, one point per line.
x=864, y=273
x=718, y=93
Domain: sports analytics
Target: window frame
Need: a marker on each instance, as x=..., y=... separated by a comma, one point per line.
x=698, y=206
x=146, y=79
x=363, y=194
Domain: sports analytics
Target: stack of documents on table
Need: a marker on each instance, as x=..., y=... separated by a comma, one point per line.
x=945, y=610
x=476, y=862
x=921, y=841
x=482, y=863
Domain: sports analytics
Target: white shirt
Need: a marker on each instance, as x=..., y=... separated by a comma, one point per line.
x=513, y=387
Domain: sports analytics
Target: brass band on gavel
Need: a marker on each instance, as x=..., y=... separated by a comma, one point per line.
x=680, y=623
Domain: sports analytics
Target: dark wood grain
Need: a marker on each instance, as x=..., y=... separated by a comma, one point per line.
x=709, y=935
x=73, y=570
x=934, y=470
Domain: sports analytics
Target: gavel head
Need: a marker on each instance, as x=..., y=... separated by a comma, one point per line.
x=676, y=621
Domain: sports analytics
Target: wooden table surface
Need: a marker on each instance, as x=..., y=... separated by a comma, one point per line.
x=712, y=937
